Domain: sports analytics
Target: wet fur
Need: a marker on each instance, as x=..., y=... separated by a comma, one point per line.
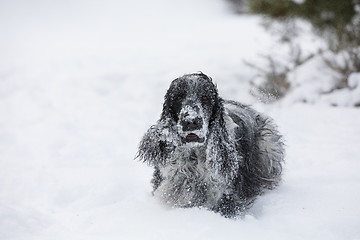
x=240, y=158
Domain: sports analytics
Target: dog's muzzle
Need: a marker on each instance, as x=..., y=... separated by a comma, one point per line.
x=191, y=124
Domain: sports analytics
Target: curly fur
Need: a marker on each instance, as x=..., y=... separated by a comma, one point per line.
x=211, y=153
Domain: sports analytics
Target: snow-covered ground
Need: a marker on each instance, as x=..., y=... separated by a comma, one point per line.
x=81, y=81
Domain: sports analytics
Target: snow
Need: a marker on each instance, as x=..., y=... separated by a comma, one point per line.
x=81, y=82
x=314, y=82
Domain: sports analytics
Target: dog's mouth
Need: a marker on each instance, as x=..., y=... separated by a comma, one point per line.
x=192, y=137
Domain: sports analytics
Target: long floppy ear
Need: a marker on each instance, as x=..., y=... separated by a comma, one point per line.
x=172, y=100
x=166, y=111
x=158, y=144
x=160, y=140
x=222, y=157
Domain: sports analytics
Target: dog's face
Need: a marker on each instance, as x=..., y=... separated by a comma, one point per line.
x=191, y=102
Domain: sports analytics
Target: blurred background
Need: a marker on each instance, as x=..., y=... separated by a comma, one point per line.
x=81, y=82
x=335, y=23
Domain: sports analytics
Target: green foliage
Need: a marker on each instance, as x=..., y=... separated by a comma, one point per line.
x=273, y=8
x=337, y=20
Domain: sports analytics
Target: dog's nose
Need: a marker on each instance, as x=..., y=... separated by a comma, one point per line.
x=191, y=124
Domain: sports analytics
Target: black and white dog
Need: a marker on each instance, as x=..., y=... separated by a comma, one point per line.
x=208, y=152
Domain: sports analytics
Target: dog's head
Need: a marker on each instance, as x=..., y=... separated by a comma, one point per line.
x=192, y=102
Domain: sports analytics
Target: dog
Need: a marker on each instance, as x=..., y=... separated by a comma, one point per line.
x=211, y=153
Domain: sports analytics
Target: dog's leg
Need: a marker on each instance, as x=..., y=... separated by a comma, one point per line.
x=229, y=206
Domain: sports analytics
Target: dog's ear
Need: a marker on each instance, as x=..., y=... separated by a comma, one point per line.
x=166, y=111
x=157, y=145
x=173, y=100
x=222, y=158
x=151, y=148
x=218, y=111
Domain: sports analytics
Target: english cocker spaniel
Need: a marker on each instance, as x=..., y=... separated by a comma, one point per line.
x=211, y=153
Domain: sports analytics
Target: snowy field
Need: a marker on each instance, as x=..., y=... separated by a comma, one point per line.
x=81, y=81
